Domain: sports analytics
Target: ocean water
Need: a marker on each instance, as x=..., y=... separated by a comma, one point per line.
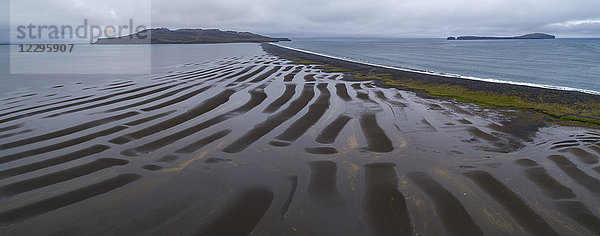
x=571, y=64
x=90, y=65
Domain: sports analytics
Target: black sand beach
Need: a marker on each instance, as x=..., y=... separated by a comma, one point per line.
x=264, y=145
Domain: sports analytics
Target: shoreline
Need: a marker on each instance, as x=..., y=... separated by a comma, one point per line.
x=444, y=74
x=558, y=104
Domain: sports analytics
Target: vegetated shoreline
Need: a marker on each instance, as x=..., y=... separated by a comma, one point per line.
x=564, y=106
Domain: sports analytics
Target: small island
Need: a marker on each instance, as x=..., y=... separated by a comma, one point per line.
x=527, y=36
x=188, y=36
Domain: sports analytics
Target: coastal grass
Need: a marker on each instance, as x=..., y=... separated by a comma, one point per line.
x=334, y=68
x=584, y=112
x=302, y=61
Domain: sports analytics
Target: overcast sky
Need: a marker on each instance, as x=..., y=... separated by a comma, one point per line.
x=327, y=18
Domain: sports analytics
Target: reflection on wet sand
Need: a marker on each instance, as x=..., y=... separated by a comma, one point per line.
x=263, y=145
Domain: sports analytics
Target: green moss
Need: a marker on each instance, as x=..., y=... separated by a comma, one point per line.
x=298, y=60
x=384, y=77
x=368, y=77
x=334, y=69
x=579, y=119
x=305, y=62
x=580, y=112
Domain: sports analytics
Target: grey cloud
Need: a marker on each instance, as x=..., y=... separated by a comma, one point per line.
x=344, y=18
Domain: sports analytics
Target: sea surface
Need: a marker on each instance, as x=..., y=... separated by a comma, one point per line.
x=89, y=65
x=559, y=64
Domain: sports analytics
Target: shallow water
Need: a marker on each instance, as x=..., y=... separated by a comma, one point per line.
x=115, y=62
x=257, y=144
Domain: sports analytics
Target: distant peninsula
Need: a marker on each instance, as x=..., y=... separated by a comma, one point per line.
x=188, y=36
x=527, y=36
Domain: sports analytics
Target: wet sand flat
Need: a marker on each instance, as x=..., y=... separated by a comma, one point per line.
x=264, y=145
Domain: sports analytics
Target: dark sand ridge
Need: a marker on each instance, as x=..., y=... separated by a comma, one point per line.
x=116, y=83
x=529, y=220
x=278, y=153
x=71, y=130
x=197, y=73
x=283, y=99
x=257, y=97
x=199, y=110
x=272, y=122
x=151, y=92
x=118, y=86
x=20, y=105
x=52, y=97
x=15, y=133
x=289, y=77
x=247, y=76
x=77, y=129
x=11, y=127
x=315, y=111
x=385, y=206
x=75, y=104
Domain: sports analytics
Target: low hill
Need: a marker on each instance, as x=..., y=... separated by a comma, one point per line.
x=188, y=36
